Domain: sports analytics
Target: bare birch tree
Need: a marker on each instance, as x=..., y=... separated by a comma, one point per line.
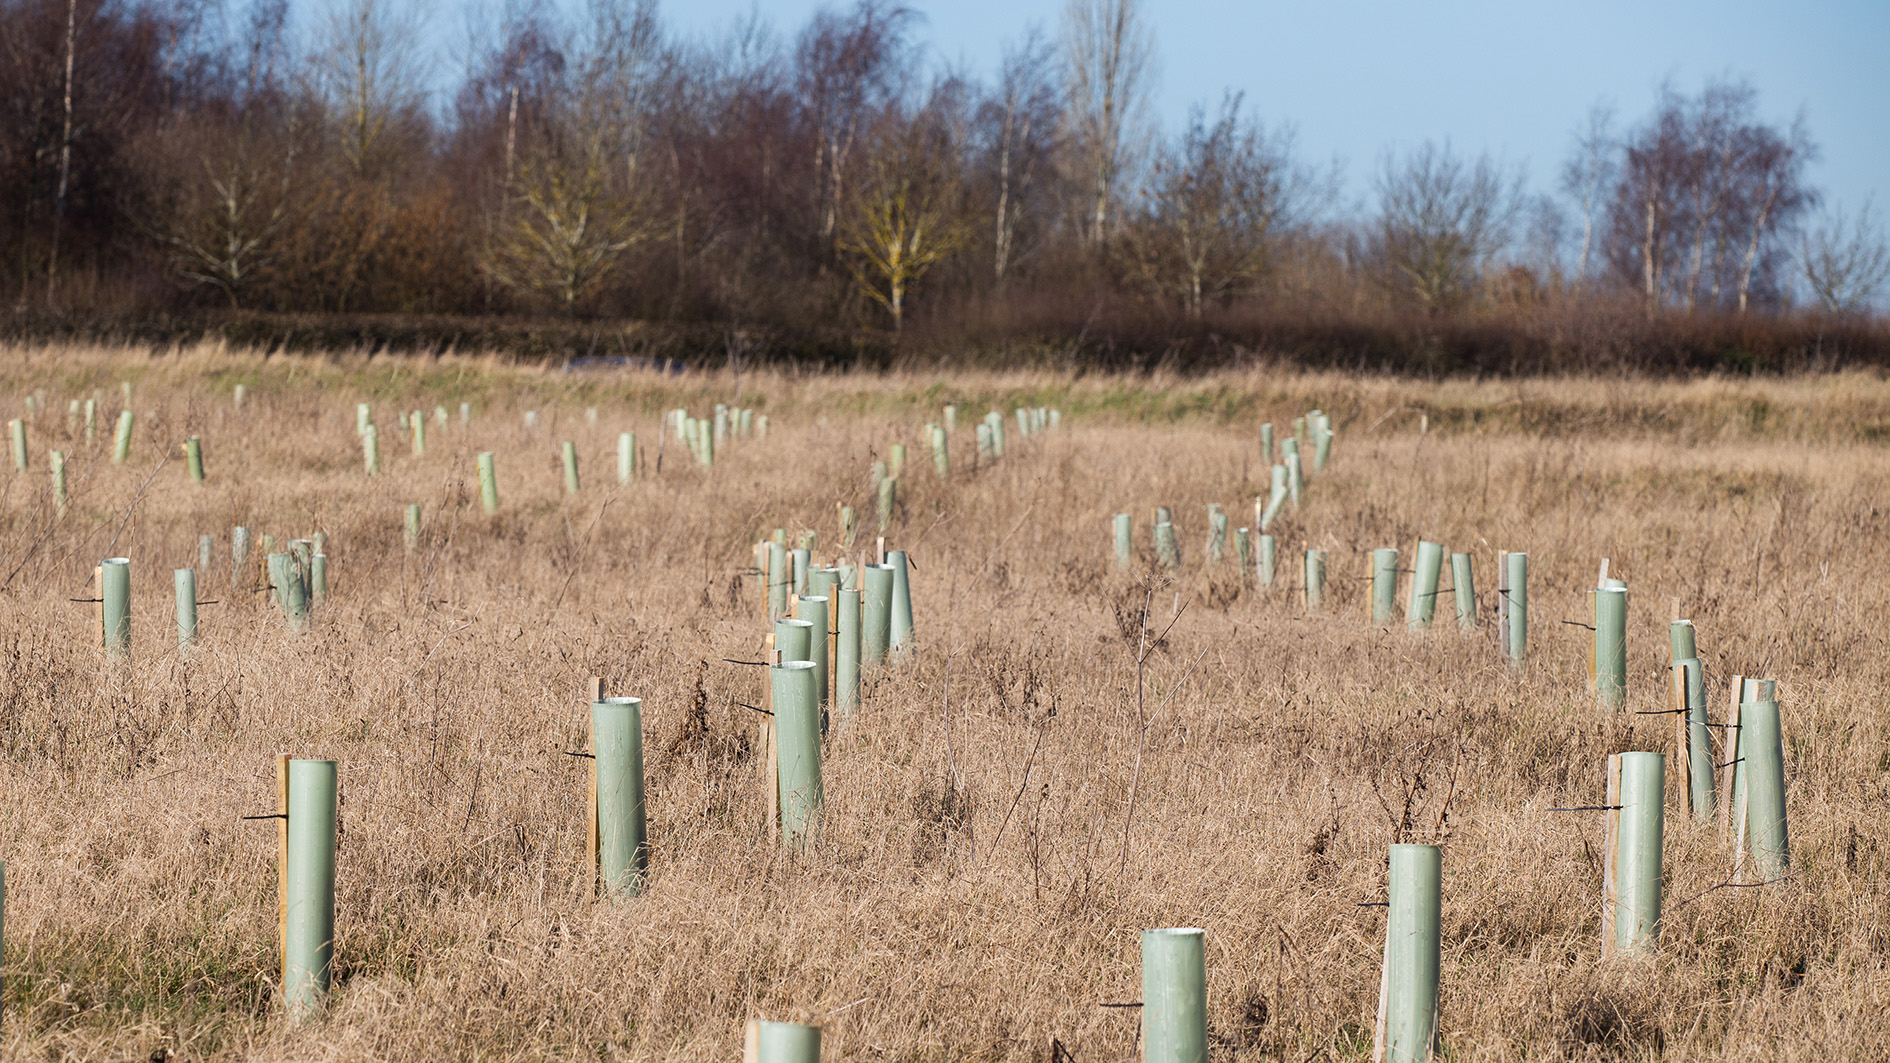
x=1588, y=176
x=1108, y=57
x=369, y=69
x=1845, y=259
x=1441, y=221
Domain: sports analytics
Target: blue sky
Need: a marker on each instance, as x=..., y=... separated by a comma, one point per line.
x=1511, y=77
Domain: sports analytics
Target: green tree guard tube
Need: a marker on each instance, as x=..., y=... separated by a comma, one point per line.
x=1322, y=446
x=1167, y=549
x=780, y=579
x=1699, y=740
x=371, y=450
x=193, y=458
x=488, y=483
x=568, y=453
x=439, y=418
x=802, y=558
x=822, y=583
x=876, y=615
x=899, y=631
x=236, y=397
x=626, y=457
x=1516, y=639
x=1269, y=560
x=985, y=456
x=1125, y=546
x=410, y=530
x=1243, y=550
x=419, y=425
x=787, y=1042
x=846, y=654
x=813, y=609
x=186, y=585
x=1424, y=583
x=465, y=414
x=292, y=587
x=623, y=854
x=1174, y=996
x=888, y=497
x=1315, y=580
x=897, y=464
x=17, y=428
x=318, y=577
x=56, y=461
x=206, y=552
x=91, y=421
x=1637, y=856
x=1217, y=536
x=941, y=455
x=1413, y=956
x=1266, y=443
x=360, y=418
x=1384, y=583
x=1276, y=499
x=121, y=443
x=309, y=908
x=794, y=639
x=239, y=554
x=115, y=589
x=797, y=742
x=1611, y=648
x=1463, y=582
x=1761, y=743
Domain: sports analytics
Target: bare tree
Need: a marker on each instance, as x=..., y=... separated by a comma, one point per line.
x=1019, y=123
x=904, y=217
x=1108, y=56
x=1772, y=191
x=1845, y=260
x=1215, y=207
x=849, y=67
x=1589, y=174
x=578, y=197
x=369, y=68
x=1440, y=221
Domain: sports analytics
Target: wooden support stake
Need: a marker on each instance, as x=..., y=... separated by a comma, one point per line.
x=1729, y=753
x=1610, y=835
x=596, y=692
x=1683, y=777
x=751, y=1042
x=1502, y=604
x=770, y=767
x=282, y=866
x=882, y=549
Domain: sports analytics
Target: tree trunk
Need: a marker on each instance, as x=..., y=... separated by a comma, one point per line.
x=65, y=152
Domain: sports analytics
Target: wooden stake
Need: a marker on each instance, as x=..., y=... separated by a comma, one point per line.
x=1729, y=750
x=596, y=692
x=770, y=767
x=751, y=1042
x=1681, y=729
x=1610, y=833
x=882, y=549
x=1502, y=604
x=282, y=866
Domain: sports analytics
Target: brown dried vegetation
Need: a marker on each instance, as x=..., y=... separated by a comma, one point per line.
x=972, y=898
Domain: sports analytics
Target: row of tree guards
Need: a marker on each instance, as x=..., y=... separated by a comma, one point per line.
x=827, y=624
x=296, y=579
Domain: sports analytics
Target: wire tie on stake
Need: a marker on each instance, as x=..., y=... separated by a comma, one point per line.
x=573, y=753
x=1577, y=623
x=1589, y=808
x=272, y=815
x=754, y=708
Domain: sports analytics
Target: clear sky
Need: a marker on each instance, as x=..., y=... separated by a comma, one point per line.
x=1513, y=77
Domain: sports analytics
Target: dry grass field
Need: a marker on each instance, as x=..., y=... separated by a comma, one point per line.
x=981, y=880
